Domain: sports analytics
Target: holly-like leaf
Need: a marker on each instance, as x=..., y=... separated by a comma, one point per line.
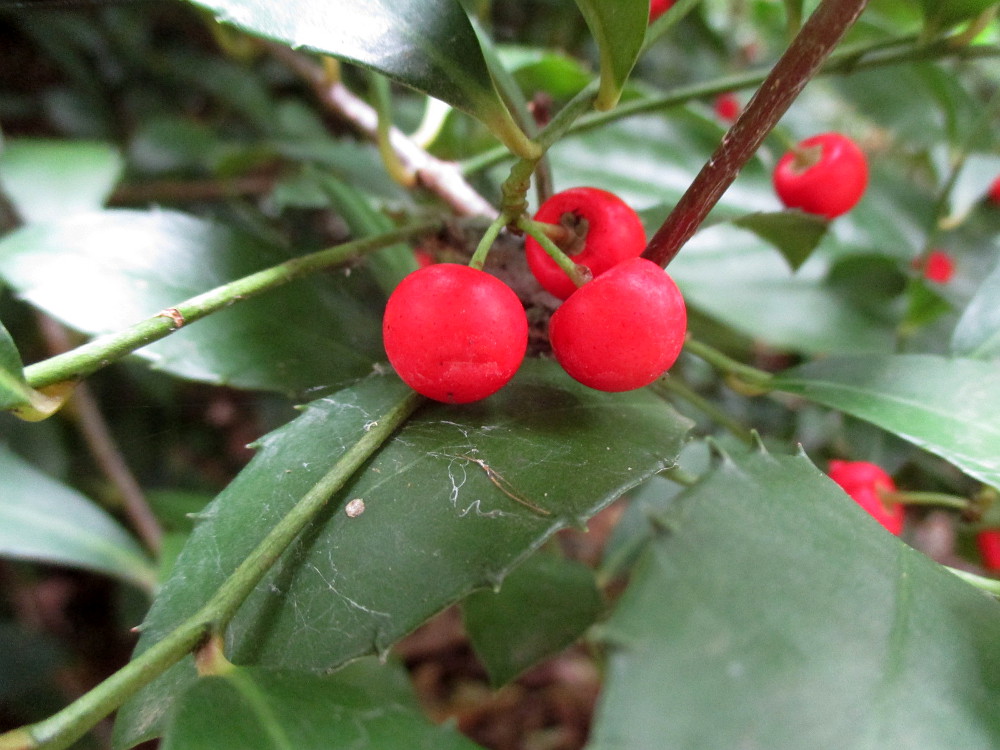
x=735, y=278
x=103, y=271
x=936, y=403
x=42, y=519
x=542, y=607
x=257, y=709
x=772, y=612
x=618, y=27
x=429, y=45
x=977, y=334
x=47, y=180
x=794, y=233
x=452, y=503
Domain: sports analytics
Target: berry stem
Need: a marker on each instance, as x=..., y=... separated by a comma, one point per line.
x=478, y=259
x=938, y=499
x=102, y=351
x=801, y=61
x=62, y=729
x=537, y=230
x=758, y=379
x=669, y=384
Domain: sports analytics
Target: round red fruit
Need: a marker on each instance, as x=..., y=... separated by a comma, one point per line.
x=454, y=333
x=622, y=330
x=727, y=107
x=994, y=192
x=824, y=175
x=865, y=482
x=988, y=542
x=658, y=7
x=614, y=233
x=939, y=267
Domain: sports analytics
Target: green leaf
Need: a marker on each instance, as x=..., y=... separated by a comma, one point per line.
x=924, y=304
x=453, y=503
x=772, y=612
x=941, y=405
x=942, y=15
x=15, y=393
x=41, y=519
x=103, y=271
x=429, y=45
x=257, y=709
x=735, y=278
x=542, y=607
x=48, y=180
x=977, y=334
x=794, y=233
x=619, y=27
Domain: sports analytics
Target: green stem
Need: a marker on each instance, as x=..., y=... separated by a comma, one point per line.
x=62, y=729
x=478, y=259
x=989, y=585
x=726, y=364
x=104, y=350
x=938, y=499
x=565, y=118
x=845, y=61
x=382, y=97
x=578, y=274
x=671, y=384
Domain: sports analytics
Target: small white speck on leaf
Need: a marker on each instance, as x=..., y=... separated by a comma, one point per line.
x=355, y=508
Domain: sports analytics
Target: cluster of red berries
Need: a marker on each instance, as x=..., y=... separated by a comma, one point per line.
x=457, y=334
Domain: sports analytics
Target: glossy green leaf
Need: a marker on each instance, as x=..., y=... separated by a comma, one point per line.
x=542, y=607
x=941, y=15
x=47, y=180
x=977, y=334
x=735, y=278
x=453, y=503
x=618, y=27
x=14, y=391
x=256, y=709
x=429, y=45
x=103, y=271
x=772, y=612
x=794, y=233
x=41, y=519
x=941, y=405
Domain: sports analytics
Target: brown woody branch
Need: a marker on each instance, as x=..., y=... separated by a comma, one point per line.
x=801, y=61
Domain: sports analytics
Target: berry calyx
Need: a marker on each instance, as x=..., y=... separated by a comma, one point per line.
x=658, y=7
x=865, y=482
x=824, y=175
x=454, y=333
x=938, y=267
x=607, y=232
x=727, y=107
x=993, y=194
x=988, y=542
x=622, y=330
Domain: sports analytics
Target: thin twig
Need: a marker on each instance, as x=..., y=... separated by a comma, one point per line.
x=801, y=61
x=440, y=177
x=103, y=446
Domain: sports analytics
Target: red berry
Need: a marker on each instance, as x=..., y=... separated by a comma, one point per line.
x=727, y=107
x=622, y=330
x=824, y=175
x=658, y=7
x=994, y=191
x=422, y=257
x=614, y=233
x=454, y=333
x=988, y=542
x=863, y=481
x=939, y=267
